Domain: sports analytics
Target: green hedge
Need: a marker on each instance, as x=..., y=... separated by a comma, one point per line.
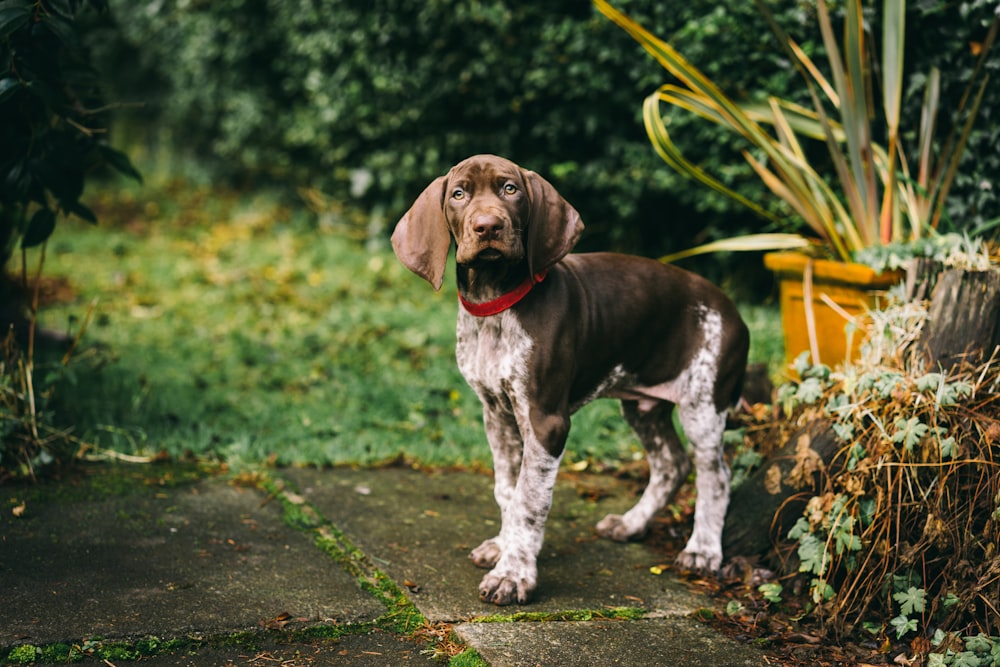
x=373, y=99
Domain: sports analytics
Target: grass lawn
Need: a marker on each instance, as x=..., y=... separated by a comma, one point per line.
x=238, y=326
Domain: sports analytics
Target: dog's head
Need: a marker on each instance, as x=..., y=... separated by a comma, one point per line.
x=496, y=212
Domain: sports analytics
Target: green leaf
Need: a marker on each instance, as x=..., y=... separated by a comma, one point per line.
x=866, y=508
x=8, y=86
x=771, y=591
x=80, y=211
x=909, y=432
x=978, y=644
x=822, y=591
x=847, y=540
x=120, y=162
x=64, y=30
x=911, y=600
x=966, y=659
x=951, y=393
x=903, y=625
x=810, y=391
x=61, y=7
x=40, y=227
x=800, y=528
x=843, y=431
x=948, y=448
x=936, y=660
x=929, y=382
x=812, y=554
x=748, y=243
x=12, y=19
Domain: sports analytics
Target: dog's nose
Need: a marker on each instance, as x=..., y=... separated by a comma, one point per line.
x=487, y=226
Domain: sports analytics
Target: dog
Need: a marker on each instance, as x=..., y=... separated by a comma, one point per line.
x=541, y=332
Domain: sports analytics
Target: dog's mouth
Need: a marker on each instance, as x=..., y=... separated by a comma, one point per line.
x=489, y=255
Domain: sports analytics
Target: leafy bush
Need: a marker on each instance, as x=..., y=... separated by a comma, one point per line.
x=900, y=536
x=377, y=98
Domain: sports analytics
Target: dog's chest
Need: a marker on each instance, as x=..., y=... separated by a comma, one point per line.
x=493, y=354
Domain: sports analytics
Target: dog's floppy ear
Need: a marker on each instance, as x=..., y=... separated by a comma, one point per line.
x=553, y=226
x=421, y=239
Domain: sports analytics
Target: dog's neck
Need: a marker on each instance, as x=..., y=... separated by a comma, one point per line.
x=486, y=281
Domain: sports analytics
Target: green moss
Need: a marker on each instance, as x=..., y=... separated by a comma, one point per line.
x=403, y=619
x=325, y=631
x=25, y=654
x=60, y=653
x=467, y=658
x=704, y=614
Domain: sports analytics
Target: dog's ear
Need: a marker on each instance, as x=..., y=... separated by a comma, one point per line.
x=553, y=225
x=421, y=239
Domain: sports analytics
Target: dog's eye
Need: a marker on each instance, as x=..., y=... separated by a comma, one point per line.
x=509, y=188
x=458, y=193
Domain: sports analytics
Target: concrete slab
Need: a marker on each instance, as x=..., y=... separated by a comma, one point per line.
x=428, y=522
x=204, y=560
x=674, y=641
x=203, y=557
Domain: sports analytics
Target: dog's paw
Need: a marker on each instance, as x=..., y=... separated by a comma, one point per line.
x=699, y=562
x=616, y=527
x=486, y=554
x=506, y=589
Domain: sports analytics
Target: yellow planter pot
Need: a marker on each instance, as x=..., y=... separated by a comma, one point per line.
x=839, y=291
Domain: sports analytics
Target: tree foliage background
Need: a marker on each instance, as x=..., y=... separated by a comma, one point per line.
x=371, y=100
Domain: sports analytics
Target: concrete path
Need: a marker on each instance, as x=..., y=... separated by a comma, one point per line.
x=324, y=567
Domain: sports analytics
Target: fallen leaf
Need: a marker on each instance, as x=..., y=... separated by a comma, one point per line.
x=807, y=461
x=276, y=623
x=772, y=480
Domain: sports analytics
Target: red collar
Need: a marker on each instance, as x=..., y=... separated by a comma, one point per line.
x=504, y=301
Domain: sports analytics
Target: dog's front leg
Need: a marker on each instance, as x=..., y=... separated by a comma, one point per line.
x=505, y=444
x=515, y=575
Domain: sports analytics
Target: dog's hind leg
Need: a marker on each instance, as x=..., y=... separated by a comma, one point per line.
x=668, y=467
x=703, y=426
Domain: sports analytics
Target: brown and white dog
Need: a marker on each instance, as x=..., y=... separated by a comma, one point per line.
x=542, y=332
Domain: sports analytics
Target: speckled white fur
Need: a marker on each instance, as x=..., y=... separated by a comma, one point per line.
x=692, y=392
x=492, y=354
